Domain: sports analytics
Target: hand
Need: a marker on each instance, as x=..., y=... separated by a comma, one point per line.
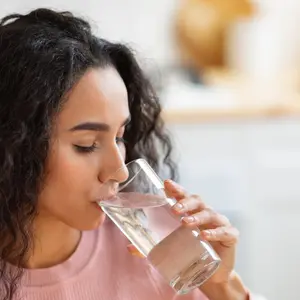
x=215, y=228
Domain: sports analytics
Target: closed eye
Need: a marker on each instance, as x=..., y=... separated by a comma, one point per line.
x=93, y=147
x=86, y=149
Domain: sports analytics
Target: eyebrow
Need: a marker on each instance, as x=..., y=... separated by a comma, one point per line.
x=95, y=126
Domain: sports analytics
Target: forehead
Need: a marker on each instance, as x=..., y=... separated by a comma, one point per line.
x=99, y=96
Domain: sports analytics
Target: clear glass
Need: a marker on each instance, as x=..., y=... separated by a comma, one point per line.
x=142, y=211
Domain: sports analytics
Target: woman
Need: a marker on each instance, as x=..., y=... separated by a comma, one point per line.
x=70, y=104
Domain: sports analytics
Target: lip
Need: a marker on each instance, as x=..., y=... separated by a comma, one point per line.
x=105, y=198
x=97, y=205
x=107, y=192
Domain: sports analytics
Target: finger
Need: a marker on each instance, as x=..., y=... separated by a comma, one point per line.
x=227, y=235
x=206, y=217
x=174, y=190
x=189, y=205
x=134, y=251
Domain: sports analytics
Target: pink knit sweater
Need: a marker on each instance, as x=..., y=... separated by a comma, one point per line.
x=100, y=269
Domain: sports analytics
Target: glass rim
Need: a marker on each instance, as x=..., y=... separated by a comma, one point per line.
x=147, y=169
x=128, y=181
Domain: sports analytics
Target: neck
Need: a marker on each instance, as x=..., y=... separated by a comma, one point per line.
x=54, y=242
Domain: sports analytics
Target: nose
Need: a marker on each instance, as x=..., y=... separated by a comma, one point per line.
x=113, y=167
x=119, y=174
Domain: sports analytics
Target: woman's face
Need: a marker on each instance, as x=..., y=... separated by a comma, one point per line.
x=86, y=151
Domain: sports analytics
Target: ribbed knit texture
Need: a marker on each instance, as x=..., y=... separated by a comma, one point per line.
x=100, y=269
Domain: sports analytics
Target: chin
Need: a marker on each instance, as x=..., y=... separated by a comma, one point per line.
x=97, y=223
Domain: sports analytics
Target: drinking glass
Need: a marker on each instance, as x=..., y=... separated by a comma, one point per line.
x=141, y=209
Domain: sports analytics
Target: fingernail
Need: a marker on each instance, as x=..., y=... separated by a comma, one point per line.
x=137, y=254
x=205, y=233
x=178, y=207
x=133, y=251
x=170, y=181
x=173, y=184
x=189, y=219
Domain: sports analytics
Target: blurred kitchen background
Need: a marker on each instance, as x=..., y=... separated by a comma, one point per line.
x=227, y=72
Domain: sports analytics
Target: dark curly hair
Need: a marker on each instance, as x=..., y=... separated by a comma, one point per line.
x=42, y=55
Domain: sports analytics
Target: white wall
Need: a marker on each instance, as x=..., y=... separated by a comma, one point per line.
x=250, y=170
x=144, y=24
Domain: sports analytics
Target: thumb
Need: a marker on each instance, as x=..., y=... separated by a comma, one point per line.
x=134, y=251
x=174, y=190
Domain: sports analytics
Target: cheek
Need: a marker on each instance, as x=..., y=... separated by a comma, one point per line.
x=69, y=173
x=72, y=167
x=67, y=193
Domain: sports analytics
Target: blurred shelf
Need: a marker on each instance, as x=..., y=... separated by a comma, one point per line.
x=241, y=112
x=229, y=97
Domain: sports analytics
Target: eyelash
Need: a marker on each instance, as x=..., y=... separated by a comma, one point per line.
x=82, y=149
x=92, y=148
